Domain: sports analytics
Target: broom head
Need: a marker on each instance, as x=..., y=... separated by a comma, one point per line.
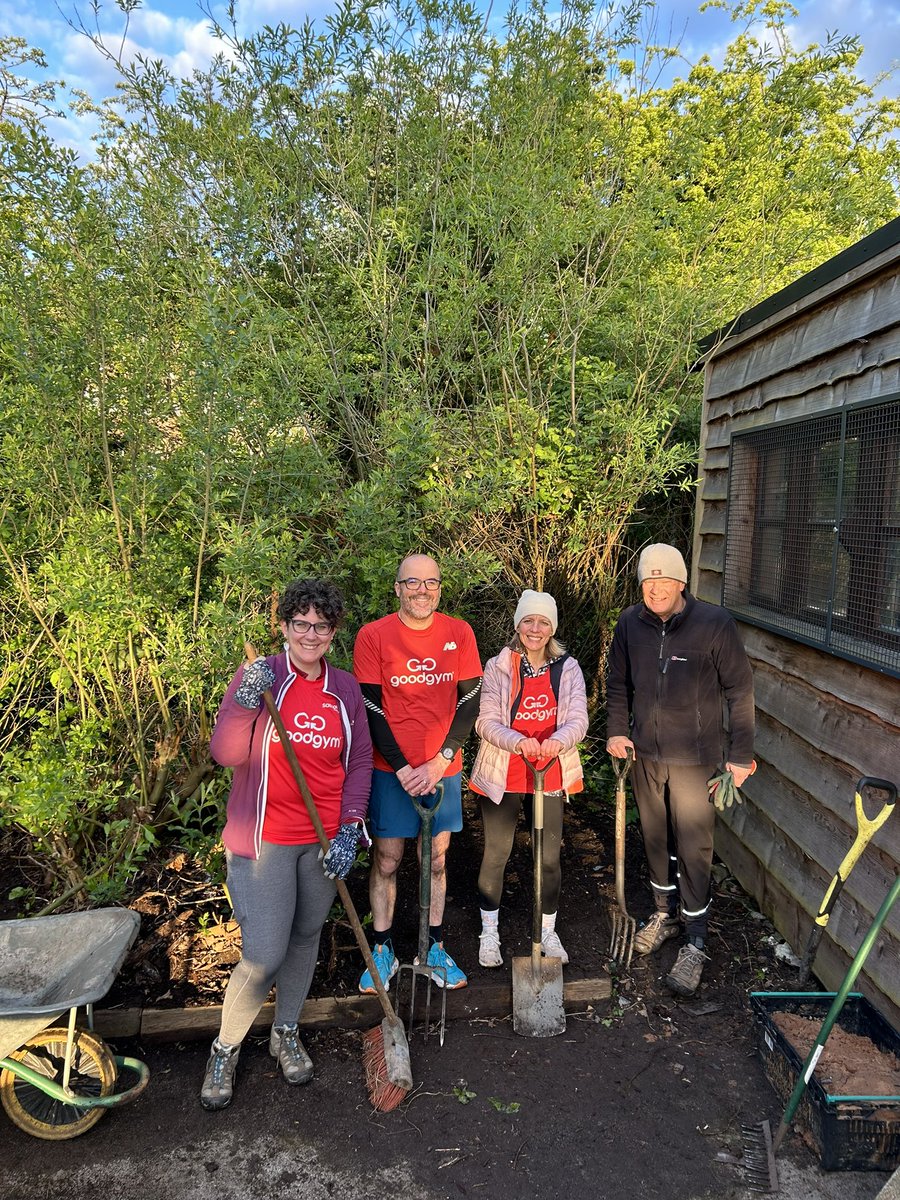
x=386, y=1065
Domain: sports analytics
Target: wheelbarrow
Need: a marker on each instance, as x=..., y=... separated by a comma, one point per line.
x=56, y=1082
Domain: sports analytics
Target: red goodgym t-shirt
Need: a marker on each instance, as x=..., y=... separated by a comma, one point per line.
x=535, y=717
x=313, y=723
x=418, y=670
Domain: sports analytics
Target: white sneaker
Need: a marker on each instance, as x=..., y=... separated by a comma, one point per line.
x=489, y=948
x=552, y=947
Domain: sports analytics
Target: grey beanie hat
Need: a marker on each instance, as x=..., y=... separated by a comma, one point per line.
x=536, y=604
x=661, y=562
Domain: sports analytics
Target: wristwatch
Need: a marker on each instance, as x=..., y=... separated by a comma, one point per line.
x=448, y=754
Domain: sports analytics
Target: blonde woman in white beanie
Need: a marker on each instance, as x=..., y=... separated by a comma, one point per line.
x=533, y=705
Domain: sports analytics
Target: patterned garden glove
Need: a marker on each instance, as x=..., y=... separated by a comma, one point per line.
x=342, y=852
x=258, y=678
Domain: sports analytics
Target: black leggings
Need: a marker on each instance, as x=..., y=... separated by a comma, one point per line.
x=500, y=822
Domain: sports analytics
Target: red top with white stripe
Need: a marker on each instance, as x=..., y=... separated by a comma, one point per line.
x=313, y=723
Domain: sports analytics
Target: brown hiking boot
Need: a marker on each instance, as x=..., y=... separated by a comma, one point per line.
x=657, y=930
x=684, y=978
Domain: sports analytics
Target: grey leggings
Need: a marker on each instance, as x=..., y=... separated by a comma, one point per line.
x=500, y=822
x=281, y=900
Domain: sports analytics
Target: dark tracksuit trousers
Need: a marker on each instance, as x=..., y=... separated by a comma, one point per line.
x=675, y=812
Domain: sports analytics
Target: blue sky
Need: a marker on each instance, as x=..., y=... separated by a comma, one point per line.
x=177, y=31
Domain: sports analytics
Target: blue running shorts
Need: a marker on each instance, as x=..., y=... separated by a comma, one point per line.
x=391, y=811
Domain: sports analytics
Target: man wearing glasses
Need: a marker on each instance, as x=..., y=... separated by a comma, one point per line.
x=420, y=676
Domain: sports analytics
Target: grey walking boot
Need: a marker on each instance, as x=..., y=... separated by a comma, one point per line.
x=286, y=1047
x=218, y=1082
x=685, y=976
x=657, y=930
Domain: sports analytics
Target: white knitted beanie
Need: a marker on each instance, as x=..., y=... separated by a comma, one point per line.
x=536, y=604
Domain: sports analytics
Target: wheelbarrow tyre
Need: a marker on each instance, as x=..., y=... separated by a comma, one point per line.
x=93, y=1074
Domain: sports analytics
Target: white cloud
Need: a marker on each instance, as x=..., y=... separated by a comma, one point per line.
x=38, y=25
x=153, y=25
x=178, y=32
x=199, y=46
x=253, y=13
x=85, y=67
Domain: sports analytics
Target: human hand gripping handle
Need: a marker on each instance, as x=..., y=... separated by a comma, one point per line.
x=257, y=680
x=619, y=746
x=342, y=852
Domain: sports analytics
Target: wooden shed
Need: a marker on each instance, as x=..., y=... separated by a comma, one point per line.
x=798, y=535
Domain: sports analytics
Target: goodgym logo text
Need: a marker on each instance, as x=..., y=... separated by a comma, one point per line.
x=424, y=671
x=308, y=731
x=536, y=708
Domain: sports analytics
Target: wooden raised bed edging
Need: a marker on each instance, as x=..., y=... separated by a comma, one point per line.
x=330, y=1012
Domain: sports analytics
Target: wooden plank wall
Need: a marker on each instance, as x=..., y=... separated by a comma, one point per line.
x=822, y=722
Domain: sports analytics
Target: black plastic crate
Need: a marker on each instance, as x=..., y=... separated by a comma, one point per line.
x=852, y=1133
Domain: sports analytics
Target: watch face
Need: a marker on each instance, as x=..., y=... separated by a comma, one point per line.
x=447, y=753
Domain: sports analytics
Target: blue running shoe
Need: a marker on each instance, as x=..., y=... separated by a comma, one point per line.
x=385, y=963
x=446, y=972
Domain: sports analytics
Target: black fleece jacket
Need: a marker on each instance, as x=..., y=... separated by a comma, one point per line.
x=666, y=682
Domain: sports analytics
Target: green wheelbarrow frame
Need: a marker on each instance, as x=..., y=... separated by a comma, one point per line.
x=49, y=965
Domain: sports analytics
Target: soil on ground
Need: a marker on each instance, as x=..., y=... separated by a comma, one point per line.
x=850, y=1063
x=636, y=1098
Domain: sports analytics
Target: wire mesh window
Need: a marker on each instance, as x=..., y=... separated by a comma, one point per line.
x=813, y=541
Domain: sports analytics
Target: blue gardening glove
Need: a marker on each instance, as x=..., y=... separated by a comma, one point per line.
x=722, y=792
x=342, y=852
x=258, y=678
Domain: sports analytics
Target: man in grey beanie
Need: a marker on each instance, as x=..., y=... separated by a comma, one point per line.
x=673, y=662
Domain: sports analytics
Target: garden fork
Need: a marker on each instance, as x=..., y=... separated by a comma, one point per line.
x=420, y=965
x=621, y=944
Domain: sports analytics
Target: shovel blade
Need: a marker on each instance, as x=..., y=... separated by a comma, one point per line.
x=538, y=997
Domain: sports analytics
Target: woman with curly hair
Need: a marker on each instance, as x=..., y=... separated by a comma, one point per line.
x=280, y=890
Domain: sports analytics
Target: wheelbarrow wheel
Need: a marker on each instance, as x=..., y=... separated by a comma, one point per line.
x=93, y=1073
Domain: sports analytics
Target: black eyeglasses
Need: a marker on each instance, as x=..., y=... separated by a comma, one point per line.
x=415, y=585
x=320, y=628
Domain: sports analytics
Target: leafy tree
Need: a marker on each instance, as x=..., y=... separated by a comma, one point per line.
x=384, y=282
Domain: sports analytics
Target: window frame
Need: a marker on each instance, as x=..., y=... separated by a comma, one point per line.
x=843, y=626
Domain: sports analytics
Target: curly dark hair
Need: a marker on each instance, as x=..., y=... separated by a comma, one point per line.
x=303, y=594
